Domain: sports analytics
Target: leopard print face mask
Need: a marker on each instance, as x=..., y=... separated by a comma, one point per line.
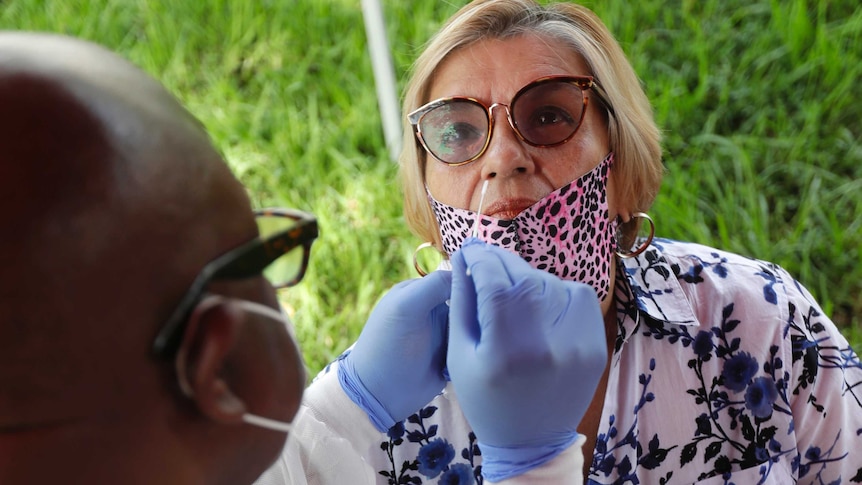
x=568, y=233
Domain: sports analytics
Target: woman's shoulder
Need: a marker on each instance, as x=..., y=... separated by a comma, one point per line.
x=711, y=276
x=686, y=252
x=694, y=264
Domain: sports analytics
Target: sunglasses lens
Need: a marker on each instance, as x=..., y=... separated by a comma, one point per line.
x=455, y=131
x=548, y=113
x=286, y=270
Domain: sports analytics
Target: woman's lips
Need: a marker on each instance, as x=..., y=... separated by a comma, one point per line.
x=507, y=209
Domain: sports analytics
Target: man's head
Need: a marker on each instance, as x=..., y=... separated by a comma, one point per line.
x=113, y=200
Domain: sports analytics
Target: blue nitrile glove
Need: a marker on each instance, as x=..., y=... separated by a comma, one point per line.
x=396, y=365
x=526, y=352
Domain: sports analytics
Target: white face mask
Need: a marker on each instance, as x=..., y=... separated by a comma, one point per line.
x=253, y=307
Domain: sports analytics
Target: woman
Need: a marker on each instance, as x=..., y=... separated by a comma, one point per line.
x=528, y=129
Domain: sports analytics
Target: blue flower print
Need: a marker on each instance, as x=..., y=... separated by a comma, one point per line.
x=396, y=431
x=769, y=294
x=459, y=474
x=738, y=370
x=427, y=455
x=760, y=396
x=434, y=456
x=702, y=344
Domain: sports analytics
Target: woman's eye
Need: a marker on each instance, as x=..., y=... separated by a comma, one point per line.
x=460, y=134
x=551, y=116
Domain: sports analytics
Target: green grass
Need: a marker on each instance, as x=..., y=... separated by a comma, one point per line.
x=759, y=102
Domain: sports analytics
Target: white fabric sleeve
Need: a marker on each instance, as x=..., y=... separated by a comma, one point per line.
x=564, y=469
x=330, y=435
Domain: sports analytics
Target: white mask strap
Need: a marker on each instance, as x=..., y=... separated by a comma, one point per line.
x=267, y=423
x=260, y=309
x=268, y=312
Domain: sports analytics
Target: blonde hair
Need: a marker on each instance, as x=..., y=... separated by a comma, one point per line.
x=633, y=135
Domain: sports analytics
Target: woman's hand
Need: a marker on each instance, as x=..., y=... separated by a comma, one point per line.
x=526, y=352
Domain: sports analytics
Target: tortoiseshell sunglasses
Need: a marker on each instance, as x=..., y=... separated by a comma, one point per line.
x=280, y=252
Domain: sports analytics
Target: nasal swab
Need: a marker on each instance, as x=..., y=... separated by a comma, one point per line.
x=479, y=211
x=479, y=214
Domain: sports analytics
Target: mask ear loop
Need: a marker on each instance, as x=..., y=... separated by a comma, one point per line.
x=266, y=423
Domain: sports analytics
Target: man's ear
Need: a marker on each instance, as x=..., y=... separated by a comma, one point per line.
x=212, y=331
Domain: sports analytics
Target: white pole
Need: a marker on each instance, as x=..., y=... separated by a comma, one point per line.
x=384, y=75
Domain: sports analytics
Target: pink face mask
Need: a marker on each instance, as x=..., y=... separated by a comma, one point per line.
x=568, y=233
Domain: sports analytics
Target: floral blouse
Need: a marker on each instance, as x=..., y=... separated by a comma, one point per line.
x=725, y=370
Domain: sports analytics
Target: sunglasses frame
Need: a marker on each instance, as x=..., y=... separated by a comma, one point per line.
x=584, y=83
x=244, y=261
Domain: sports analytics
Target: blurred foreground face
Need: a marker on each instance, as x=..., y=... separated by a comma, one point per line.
x=115, y=202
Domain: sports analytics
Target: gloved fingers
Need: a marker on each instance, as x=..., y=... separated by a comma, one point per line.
x=433, y=290
x=489, y=265
x=464, y=333
x=581, y=317
x=479, y=338
x=499, y=279
x=514, y=320
x=481, y=286
x=418, y=296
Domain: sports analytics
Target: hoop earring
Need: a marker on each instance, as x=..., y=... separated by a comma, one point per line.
x=422, y=246
x=643, y=247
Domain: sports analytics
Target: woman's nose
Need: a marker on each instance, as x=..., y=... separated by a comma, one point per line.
x=507, y=154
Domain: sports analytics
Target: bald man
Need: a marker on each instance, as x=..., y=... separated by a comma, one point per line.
x=139, y=342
